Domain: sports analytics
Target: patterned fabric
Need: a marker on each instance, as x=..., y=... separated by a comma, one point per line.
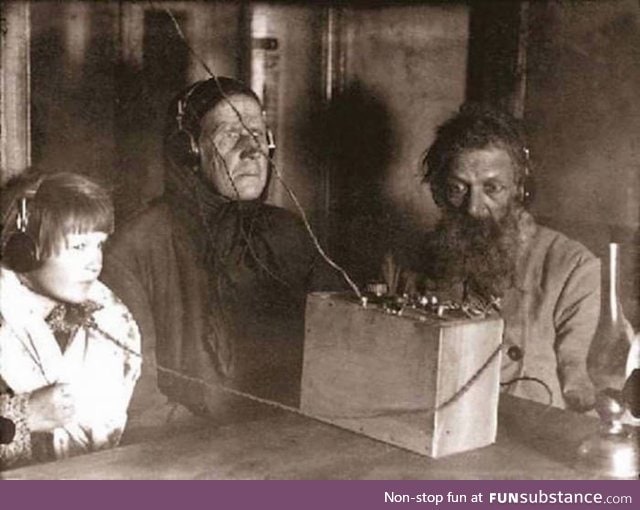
x=100, y=365
x=66, y=318
x=7, y=430
x=14, y=408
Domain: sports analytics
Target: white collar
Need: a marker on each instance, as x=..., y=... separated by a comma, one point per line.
x=19, y=301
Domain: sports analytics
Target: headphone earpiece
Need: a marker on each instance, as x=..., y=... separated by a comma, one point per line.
x=20, y=251
x=526, y=192
x=183, y=147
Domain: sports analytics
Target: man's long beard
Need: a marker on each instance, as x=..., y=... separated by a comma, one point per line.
x=479, y=253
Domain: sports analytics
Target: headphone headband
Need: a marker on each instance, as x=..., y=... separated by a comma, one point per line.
x=22, y=217
x=183, y=104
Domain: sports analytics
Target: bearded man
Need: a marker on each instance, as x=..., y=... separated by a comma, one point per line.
x=488, y=248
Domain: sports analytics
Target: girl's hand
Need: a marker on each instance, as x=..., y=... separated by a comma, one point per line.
x=50, y=407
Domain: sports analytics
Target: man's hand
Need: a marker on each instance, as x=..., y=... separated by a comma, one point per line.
x=50, y=407
x=580, y=396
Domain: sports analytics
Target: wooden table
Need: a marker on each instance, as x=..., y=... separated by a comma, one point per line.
x=533, y=442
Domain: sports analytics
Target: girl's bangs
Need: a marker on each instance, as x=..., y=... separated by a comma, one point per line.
x=82, y=217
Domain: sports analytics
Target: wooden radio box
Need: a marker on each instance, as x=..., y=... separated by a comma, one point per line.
x=414, y=382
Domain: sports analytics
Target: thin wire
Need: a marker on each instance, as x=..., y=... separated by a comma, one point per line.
x=248, y=242
x=35, y=356
x=453, y=398
x=187, y=378
x=532, y=379
x=31, y=350
x=277, y=173
x=92, y=324
x=329, y=261
x=463, y=389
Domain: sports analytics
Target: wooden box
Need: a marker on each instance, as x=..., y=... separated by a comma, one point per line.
x=418, y=383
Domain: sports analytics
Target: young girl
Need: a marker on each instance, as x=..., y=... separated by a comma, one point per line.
x=69, y=349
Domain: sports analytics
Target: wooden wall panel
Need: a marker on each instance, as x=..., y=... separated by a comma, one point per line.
x=15, y=89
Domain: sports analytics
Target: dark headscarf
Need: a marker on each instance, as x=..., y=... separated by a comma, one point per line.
x=225, y=222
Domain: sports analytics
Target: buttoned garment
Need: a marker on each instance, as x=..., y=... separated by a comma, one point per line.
x=551, y=313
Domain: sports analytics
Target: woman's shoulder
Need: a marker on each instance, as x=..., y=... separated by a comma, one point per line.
x=153, y=220
x=148, y=231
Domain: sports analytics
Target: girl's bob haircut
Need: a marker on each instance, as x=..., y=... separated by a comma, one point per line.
x=57, y=204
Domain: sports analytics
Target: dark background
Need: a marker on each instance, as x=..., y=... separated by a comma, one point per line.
x=354, y=91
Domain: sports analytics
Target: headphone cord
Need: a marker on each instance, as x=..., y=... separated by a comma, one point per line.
x=277, y=173
x=385, y=412
x=535, y=380
x=91, y=323
x=247, y=238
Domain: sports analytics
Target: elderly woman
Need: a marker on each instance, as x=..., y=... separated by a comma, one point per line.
x=69, y=349
x=217, y=278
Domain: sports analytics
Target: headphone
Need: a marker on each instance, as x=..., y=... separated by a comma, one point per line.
x=182, y=143
x=20, y=252
x=184, y=147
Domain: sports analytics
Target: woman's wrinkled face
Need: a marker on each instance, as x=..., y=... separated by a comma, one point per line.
x=69, y=274
x=233, y=155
